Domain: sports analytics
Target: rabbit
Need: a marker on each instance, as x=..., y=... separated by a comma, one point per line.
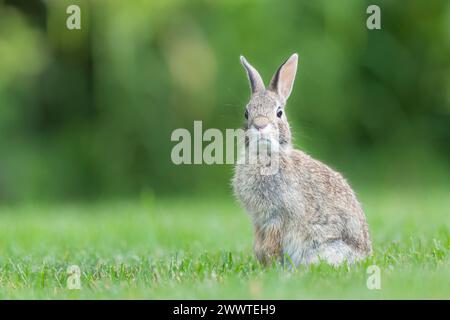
x=304, y=212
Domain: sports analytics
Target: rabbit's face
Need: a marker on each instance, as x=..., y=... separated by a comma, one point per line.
x=265, y=118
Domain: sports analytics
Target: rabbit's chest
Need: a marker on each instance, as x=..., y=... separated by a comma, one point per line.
x=264, y=195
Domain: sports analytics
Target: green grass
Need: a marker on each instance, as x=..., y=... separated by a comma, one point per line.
x=201, y=248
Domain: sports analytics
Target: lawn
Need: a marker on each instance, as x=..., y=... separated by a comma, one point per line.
x=183, y=248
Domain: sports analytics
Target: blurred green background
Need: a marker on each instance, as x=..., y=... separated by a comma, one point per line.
x=88, y=114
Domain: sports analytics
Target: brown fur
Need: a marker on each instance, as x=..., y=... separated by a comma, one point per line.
x=267, y=244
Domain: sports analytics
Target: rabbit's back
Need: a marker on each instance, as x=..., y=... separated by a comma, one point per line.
x=331, y=208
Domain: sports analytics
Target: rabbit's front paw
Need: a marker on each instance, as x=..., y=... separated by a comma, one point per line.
x=267, y=245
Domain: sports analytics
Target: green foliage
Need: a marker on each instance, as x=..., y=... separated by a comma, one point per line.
x=88, y=113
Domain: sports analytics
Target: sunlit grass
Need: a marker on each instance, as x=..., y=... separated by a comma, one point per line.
x=201, y=248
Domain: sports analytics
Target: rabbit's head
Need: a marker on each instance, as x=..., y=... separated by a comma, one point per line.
x=264, y=113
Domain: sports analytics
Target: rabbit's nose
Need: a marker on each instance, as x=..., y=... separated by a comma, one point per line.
x=260, y=122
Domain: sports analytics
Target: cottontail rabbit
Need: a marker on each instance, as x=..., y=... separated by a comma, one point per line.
x=303, y=211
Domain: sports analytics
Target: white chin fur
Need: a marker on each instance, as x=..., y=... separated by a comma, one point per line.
x=262, y=139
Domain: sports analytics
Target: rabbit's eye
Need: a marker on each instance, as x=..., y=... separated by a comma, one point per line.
x=246, y=114
x=279, y=113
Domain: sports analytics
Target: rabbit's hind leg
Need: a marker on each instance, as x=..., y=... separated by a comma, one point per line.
x=335, y=253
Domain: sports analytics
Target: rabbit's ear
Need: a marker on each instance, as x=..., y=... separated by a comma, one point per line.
x=256, y=82
x=283, y=80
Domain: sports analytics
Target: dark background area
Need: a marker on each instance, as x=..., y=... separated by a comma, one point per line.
x=88, y=114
